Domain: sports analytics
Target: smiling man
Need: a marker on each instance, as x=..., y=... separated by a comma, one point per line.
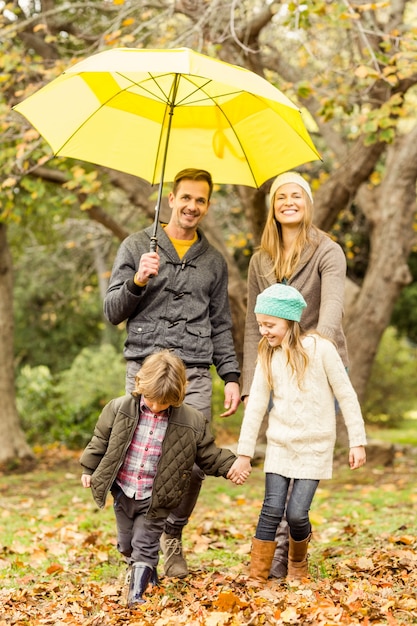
x=177, y=298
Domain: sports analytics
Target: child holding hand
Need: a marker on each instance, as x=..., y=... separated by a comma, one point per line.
x=302, y=374
x=143, y=450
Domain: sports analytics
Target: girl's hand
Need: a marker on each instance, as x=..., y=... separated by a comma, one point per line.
x=240, y=470
x=357, y=457
x=86, y=480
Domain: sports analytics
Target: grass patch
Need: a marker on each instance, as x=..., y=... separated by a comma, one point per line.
x=405, y=434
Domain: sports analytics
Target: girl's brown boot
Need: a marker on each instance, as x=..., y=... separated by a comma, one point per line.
x=261, y=557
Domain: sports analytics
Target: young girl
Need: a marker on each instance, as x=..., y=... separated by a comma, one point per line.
x=295, y=252
x=303, y=374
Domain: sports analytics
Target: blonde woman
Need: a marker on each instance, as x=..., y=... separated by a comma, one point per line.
x=302, y=373
x=294, y=252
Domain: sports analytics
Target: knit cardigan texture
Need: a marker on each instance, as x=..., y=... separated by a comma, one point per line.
x=320, y=278
x=301, y=430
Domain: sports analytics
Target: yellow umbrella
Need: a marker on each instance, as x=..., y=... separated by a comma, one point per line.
x=152, y=113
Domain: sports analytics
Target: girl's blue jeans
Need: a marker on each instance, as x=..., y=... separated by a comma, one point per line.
x=298, y=506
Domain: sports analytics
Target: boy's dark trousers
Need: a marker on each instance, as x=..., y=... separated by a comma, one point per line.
x=137, y=537
x=198, y=395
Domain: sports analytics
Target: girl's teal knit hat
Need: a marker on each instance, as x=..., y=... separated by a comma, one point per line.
x=281, y=301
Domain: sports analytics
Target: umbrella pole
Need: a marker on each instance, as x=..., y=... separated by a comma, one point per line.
x=154, y=239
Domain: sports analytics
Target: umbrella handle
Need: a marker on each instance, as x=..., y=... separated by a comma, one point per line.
x=153, y=247
x=154, y=243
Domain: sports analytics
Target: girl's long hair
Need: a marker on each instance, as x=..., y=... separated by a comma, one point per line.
x=272, y=240
x=297, y=357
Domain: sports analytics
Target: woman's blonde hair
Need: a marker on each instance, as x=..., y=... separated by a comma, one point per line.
x=297, y=357
x=162, y=378
x=272, y=240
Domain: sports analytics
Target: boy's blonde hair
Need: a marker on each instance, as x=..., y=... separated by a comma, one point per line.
x=162, y=378
x=297, y=357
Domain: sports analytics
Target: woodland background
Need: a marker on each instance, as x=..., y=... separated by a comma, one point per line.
x=352, y=69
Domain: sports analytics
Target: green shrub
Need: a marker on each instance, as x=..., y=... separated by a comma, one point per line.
x=35, y=400
x=65, y=408
x=390, y=392
x=223, y=427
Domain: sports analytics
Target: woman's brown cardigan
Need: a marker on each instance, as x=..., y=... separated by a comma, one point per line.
x=320, y=277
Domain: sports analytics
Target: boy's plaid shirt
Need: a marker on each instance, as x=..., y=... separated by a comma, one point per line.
x=138, y=470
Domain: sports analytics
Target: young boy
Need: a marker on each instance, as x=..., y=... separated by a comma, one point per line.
x=143, y=449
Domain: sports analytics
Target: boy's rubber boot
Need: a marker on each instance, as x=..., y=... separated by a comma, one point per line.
x=141, y=575
x=297, y=559
x=154, y=581
x=279, y=567
x=261, y=557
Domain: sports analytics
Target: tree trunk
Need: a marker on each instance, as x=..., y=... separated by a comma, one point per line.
x=12, y=440
x=237, y=286
x=391, y=209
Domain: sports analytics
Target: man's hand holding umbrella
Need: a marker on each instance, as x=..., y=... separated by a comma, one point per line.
x=148, y=268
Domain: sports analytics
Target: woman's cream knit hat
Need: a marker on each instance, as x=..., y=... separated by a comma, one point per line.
x=290, y=177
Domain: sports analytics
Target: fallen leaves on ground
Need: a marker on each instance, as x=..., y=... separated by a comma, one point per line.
x=376, y=595
x=53, y=576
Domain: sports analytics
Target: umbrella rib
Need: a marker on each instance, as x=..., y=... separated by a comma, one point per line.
x=248, y=161
x=230, y=125
x=165, y=96
x=201, y=88
x=173, y=104
x=104, y=104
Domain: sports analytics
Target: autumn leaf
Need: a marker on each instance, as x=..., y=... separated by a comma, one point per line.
x=54, y=568
x=228, y=601
x=62, y=566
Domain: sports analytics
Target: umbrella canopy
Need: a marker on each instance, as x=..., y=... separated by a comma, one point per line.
x=152, y=113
